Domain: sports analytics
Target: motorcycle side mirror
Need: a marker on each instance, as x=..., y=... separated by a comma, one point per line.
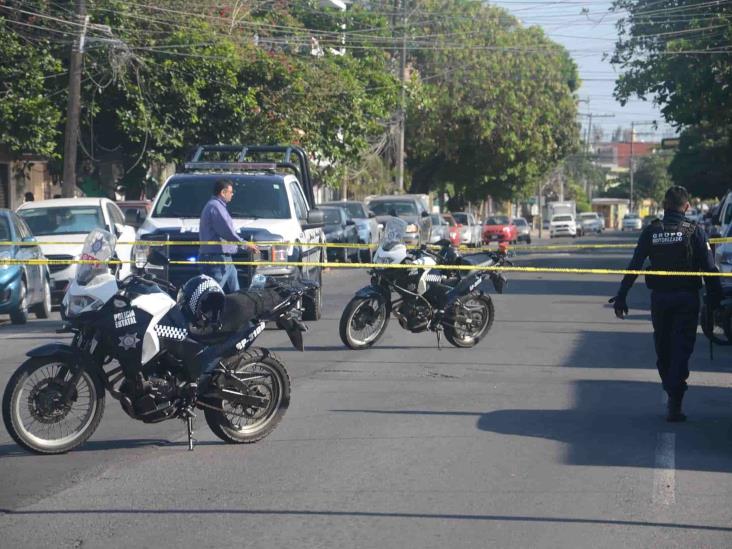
x=156, y=257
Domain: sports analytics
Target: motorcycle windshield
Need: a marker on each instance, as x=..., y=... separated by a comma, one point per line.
x=99, y=247
x=394, y=232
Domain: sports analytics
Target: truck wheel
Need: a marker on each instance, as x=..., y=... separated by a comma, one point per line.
x=313, y=304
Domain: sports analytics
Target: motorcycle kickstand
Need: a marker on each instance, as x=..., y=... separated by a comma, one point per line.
x=189, y=427
x=439, y=337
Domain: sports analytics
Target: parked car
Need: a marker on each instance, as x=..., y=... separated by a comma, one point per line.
x=440, y=228
x=470, y=232
x=648, y=219
x=366, y=224
x=498, y=228
x=135, y=211
x=61, y=225
x=340, y=228
x=453, y=229
x=591, y=223
x=24, y=288
x=409, y=208
x=523, y=229
x=631, y=222
x=563, y=225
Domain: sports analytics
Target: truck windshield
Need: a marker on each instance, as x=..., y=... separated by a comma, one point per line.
x=254, y=197
x=562, y=218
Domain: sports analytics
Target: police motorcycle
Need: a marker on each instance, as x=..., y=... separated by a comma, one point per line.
x=716, y=324
x=133, y=340
x=433, y=295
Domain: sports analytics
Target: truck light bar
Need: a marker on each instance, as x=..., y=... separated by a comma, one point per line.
x=231, y=166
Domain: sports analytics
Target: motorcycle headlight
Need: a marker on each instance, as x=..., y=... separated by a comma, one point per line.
x=139, y=255
x=412, y=228
x=82, y=303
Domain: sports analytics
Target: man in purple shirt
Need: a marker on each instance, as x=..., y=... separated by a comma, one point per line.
x=216, y=225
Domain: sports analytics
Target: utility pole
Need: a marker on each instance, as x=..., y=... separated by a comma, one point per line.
x=632, y=140
x=402, y=99
x=71, y=135
x=538, y=204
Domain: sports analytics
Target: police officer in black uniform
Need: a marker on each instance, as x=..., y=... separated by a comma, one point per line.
x=674, y=244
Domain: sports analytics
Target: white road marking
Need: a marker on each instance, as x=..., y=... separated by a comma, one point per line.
x=664, y=477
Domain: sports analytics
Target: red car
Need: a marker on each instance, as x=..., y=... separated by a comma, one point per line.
x=498, y=228
x=454, y=229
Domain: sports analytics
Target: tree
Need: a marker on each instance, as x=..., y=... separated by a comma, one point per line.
x=492, y=115
x=703, y=163
x=676, y=52
x=651, y=178
x=28, y=115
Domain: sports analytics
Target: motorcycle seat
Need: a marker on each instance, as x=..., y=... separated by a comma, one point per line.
x=481, y=258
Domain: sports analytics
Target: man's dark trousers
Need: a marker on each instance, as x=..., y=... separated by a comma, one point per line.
x=675, y=315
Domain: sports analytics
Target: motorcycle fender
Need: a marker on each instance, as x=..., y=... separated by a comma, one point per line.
x=476, y=283
x=294, y=329
x=370, y=291
x=54, y=349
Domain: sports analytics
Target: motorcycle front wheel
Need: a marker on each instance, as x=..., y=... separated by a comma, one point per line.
x=35, y=413
x=264, y=384
x=363, y=322
x=469, y=321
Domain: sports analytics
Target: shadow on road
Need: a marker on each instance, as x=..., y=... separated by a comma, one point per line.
x=616, y=424
x=13, y=450
x=369, y=514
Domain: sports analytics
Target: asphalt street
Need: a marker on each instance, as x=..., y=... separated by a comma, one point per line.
x=550, y=433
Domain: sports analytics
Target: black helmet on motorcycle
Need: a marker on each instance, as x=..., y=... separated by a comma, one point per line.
x=201, y=300
x=450, y=255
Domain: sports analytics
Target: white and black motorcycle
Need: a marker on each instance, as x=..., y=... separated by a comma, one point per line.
x=429, y=294
x=133, y=340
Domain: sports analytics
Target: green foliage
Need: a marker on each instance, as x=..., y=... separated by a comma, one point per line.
x=28, y=115
x=676, y=52
x=703, y=163
x=494, y=114
x=651, y=178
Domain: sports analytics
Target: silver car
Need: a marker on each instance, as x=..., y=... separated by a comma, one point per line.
x=591, y=222
x=523, y=229
x=440, y=229
x=632, y=222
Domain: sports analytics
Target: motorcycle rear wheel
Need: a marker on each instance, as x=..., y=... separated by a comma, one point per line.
x=268, y=381
x=720, y=332
x=461, y=333
x=35, y=416
x=363, y=322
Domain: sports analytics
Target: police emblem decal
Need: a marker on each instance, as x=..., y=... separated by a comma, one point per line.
x=129, y=341
x=98, y=243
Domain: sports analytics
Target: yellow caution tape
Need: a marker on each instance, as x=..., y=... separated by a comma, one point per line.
x=504, y=268
x=521, y=249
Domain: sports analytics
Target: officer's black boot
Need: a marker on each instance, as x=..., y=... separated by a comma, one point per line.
x=674, y=410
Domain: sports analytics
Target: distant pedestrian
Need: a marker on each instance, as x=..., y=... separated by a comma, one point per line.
x=674, y=244
x=29, y=197
x=216, y=225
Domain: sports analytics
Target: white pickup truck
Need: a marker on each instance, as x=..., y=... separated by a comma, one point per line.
x=273, y=202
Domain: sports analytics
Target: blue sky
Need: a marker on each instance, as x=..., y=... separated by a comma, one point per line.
x=588, y=38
